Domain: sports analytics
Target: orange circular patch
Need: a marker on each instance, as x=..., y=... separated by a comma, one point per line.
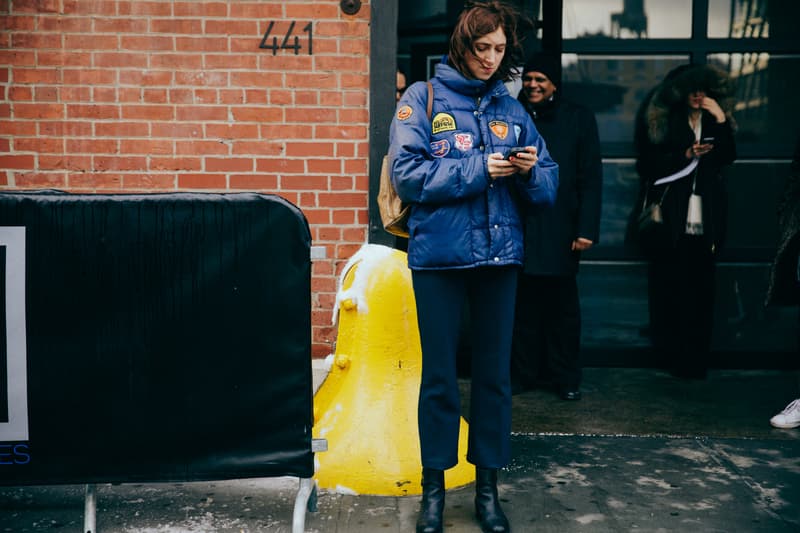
x=404, y=112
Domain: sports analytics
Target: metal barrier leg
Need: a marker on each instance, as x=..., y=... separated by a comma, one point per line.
x=299, y=518
x=90, y=509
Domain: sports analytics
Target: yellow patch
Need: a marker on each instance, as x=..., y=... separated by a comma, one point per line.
x=499, y=128
x=443, y=122
x=404, y=112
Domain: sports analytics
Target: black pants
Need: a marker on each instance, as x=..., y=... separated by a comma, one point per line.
x=681, y=298
x=440, y=297
x=547, y=330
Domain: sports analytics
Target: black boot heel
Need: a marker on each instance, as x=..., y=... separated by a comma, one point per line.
x=487, y=504
x=432, y=506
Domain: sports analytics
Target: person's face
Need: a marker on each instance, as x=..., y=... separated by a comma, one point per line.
x=487, y=54
x=537, y=87
x=401, y=85
x=695, y=100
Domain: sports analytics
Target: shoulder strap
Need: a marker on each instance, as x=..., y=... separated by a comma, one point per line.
x=430, y=100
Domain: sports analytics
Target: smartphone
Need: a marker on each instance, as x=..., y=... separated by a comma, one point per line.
x=514, y=152
x=707, y=140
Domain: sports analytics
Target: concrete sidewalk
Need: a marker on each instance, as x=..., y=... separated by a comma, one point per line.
x=716, y=465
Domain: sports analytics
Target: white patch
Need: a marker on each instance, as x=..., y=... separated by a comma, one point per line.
x=652, y=482
x=517, y=132
x=590, y=518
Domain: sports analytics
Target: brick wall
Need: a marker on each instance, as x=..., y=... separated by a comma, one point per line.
x=107, y=96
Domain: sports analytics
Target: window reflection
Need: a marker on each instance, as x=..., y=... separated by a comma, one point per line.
x=627, y=19
x=613, y=87
x=738, y=19
x=767, y=106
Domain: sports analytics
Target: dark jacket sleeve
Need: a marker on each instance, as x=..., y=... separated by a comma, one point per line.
x=589, y=179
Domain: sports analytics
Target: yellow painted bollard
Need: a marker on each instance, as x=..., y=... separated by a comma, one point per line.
x=367, y=406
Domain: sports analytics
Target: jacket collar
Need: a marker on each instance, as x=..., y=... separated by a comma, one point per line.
x=455, y=81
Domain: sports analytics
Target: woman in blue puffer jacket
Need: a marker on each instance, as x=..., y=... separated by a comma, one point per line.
x=465, y=243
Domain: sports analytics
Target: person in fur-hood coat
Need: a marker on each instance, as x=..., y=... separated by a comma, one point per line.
x=684, y=139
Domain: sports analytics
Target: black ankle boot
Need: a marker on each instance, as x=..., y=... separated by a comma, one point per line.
x=487, y=505
x=432, y=507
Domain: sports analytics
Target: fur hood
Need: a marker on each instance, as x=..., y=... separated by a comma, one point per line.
x=670, y=96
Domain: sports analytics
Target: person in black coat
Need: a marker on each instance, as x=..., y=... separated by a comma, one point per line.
x=684, y=138
x=547, y=323
x=784, y=280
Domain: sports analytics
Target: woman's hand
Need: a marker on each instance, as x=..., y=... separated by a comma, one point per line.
x=698, y=150
x=711, y=105
x=500, y=167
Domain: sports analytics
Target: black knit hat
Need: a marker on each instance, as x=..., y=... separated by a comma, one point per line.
x=547, y=64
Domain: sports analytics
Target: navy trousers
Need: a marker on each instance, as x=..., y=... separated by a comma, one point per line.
x=440, y=295
x=547, y=332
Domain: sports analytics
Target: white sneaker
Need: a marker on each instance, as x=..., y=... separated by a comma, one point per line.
x=788, y=418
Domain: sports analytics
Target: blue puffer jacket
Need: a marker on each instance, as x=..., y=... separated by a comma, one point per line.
x=460, y=217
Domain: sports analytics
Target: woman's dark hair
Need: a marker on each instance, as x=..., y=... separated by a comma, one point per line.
x=479, y=19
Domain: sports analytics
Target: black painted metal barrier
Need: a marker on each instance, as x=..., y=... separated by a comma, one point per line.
x=158, y=337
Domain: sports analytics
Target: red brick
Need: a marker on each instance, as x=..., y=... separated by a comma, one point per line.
x=120, y=25
x=38, y=111
x=258, y=182
x=17, y=22
x=138, y=7
x=280, y=165
x=172, y=130
x=200, y=9
x=291, y=131
x=91, y=42
x=309, y=149
x=102, y=163
x=177, y=61
x=24, y=162
x=341, y=132
x=146, y=146
x=97, y=112
x=201, y=148
x=95, y=181
x=122, y=129
x=17, y=58
x=176, y=25
x=194, y=164
x=20, y=94
x=256, y=148
x=258, y=114
x=65, y=162
x=122, y=60
x=304, y=182
x=203, y=79
x=232, y=27
x=229, y=164
x=148, y=112
x=202, y=181
x=232, y=131
x=149, y=181
x=149, y=43
x=343, y=216
x=201, y=113
x=49, y=76
x=46, y=180
x=40, y=145
x=74, y=76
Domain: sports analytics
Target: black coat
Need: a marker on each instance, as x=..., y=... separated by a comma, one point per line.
x=662, y=137
x=783, y=284
x=570, y=131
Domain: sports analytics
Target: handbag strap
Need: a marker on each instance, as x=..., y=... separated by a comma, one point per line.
x=430, y=100
x=647, y=193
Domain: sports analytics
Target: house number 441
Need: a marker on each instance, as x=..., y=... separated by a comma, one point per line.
x=271, y=43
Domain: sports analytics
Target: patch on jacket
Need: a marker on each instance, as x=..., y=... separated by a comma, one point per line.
x=499, y=128
x=443, y=122
x=405, y=112
x=440, y=148
x=463, y=141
